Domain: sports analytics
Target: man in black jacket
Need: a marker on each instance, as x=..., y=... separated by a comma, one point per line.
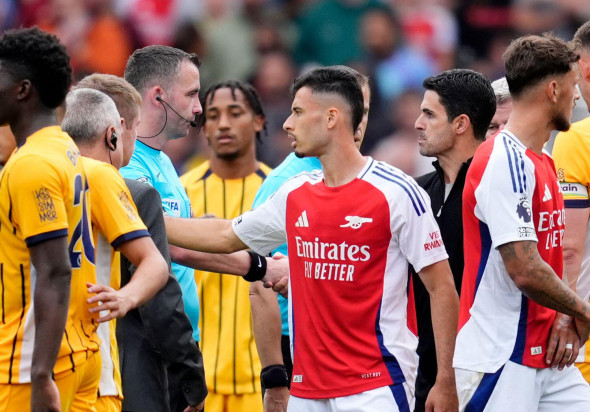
x=457, y=108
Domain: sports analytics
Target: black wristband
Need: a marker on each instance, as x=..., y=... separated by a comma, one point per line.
x=257, y=267
x=274, y=376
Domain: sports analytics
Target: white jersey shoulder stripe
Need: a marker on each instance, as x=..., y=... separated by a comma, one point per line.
x=514, y=150
x=399, y=178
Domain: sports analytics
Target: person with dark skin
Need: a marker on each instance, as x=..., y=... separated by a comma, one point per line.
x=47, y=252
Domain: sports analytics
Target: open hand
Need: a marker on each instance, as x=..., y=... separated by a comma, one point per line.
x=108, y=299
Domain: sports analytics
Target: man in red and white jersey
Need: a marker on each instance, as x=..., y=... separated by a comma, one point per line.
x=351, y=230
x=513, y=217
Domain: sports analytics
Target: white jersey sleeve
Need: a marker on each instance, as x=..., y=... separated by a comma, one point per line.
x=413, y=226
x=505, y=192
x=419, y=235
x=263, y=229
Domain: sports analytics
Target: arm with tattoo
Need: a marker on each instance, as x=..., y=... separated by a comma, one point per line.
x=537, y=280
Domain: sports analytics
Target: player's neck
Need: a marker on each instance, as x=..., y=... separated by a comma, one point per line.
x=341, y=166
x=29, y=123
x=451, y=161
x=157, y=142
x=237, y=168
x=152, y=124
x=530, y=126
x=97, y=152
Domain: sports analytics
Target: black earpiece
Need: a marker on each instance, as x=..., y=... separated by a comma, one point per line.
x=114, y=138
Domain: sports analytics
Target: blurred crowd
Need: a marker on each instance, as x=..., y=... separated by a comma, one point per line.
x=268, y=42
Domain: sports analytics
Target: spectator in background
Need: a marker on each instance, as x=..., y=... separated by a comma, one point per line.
x=329, y=32
x=431, y=27
x=479, y=23
x=8, y=12
x=503, y=107
x=153, y=21
x=273, y=79
x=229, y=41
x=400, y=149
x=94, y=36
x=394, y=65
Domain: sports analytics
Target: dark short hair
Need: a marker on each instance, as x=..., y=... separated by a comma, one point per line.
x=335, y=80
x=582, y=36
x=156, y=64
x=39, y=57
x=361, y=78
x=531, y=59
x=463, y=91
x=247, y=90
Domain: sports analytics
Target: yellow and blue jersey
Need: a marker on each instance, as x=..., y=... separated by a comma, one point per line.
x=571, y=154
x=231, y=361
x=44, y=195
x=114, y=221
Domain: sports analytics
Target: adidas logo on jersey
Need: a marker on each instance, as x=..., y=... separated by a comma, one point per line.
x=547, y=196
x=302, y=221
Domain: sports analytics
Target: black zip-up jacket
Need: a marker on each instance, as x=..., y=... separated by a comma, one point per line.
x=449, y=216
x=156, y=340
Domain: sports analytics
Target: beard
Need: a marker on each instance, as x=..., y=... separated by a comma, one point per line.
x=560, y=122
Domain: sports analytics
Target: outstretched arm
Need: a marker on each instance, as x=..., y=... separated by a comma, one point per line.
x=205, y=235
x=444, y=302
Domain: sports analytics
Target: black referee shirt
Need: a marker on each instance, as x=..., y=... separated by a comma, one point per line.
x=449, y=217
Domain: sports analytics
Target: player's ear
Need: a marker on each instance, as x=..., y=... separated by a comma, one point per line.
x=258, y=122
x=333, y=117
x=24, y=89
x=461, y=123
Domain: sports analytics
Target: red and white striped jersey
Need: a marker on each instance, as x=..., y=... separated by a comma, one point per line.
x=349, y=248
x=511, y=194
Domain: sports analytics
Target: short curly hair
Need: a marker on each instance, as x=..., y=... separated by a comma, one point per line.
x=39, y=57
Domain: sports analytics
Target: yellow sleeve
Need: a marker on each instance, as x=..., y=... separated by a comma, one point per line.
x=38, y=194
x=571, y=155
x=113, y=210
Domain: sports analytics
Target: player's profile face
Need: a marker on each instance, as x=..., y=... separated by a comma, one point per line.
x=6, y=84
x=230, y=124
x=358, y=137
x=566, y=101
x=183, y=96
x=305, y=125
x=7, y=144
x=434, y=129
